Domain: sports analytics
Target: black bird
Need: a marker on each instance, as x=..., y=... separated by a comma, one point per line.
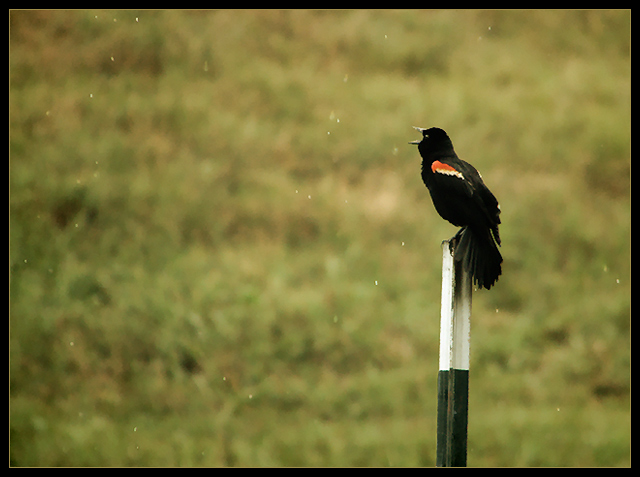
x=460, y=196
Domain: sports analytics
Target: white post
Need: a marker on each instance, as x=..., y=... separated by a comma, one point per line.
x=453, y=374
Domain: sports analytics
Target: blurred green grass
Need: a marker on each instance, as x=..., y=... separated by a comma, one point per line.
x=222, y=253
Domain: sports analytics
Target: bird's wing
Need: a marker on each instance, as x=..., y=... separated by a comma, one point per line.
x=452, y=178
x=462, y=178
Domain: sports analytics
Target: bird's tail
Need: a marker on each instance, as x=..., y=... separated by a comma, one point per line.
x=479, y=254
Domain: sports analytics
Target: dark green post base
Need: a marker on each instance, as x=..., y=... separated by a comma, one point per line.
x=453, y=409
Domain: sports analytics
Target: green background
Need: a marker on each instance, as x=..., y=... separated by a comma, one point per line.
x=222, y=253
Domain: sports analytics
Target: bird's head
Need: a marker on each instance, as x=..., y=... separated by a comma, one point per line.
x=433, y=139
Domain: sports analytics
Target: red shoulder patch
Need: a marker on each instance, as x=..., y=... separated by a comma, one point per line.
x=441, y=168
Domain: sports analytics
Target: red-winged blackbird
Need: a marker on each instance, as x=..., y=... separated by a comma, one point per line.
x=460, y=196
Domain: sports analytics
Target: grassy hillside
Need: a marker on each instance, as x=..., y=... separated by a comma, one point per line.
x=222, y=253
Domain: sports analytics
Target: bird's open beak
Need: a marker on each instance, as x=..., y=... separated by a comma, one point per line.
x=417, y=129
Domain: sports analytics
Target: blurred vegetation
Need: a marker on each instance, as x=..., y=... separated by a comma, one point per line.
x=222, y=253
